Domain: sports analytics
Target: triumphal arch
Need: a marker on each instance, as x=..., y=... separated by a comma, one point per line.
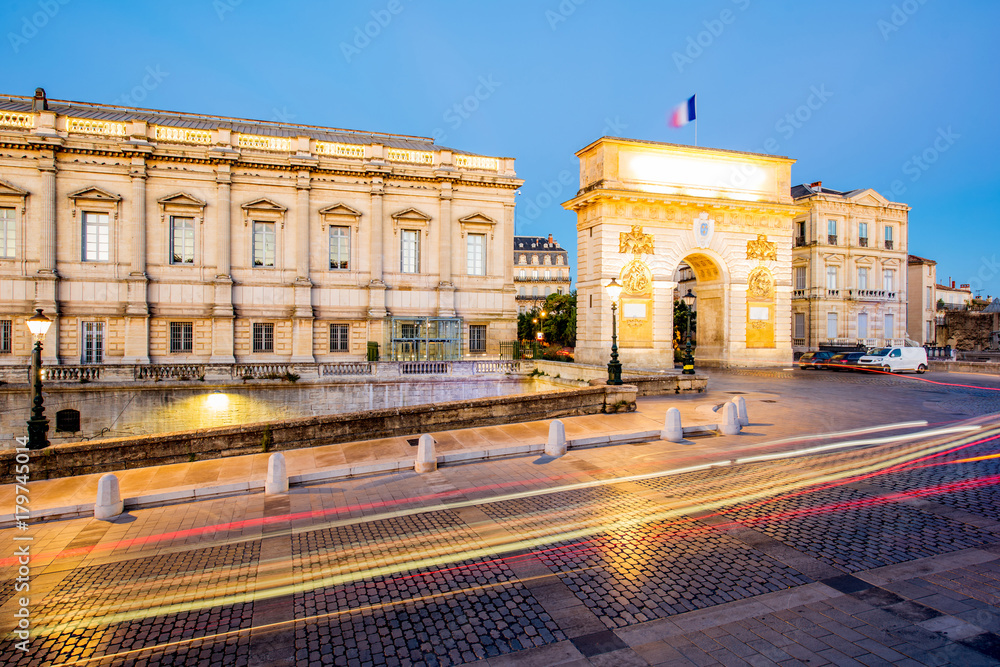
x=644, y=209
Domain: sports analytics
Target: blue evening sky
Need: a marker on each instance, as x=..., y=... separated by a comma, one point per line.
x=897, y=95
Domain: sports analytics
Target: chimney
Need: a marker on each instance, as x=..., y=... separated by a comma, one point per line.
x=817, y=186
x=952, y=282
x=550, y=238
x=39, y=103
x=966, y=286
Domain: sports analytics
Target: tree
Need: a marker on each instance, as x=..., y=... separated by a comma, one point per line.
x=559, y=323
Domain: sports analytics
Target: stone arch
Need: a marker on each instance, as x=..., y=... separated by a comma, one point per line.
x=712, y=278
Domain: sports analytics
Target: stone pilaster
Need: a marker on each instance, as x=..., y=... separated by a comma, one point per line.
x=446, y=288
x=223, y=323
x=376, y=287
x=48, y=277
x=137, y=307
x=302, y=319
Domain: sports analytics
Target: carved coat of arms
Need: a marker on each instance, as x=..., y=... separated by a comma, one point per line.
x=704, y=228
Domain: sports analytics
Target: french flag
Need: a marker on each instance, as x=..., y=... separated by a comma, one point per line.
x=683, y=113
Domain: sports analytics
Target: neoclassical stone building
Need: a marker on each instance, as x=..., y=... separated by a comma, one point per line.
x=849, y=268
x=541, y=268
x=159, y=237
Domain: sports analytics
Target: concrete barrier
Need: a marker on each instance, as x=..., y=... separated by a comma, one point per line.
x=109, y=498
x=672, y=429
x=426, y=458
x=730, y=420
x=556, y=445
x=741, y=410
x=277, y=475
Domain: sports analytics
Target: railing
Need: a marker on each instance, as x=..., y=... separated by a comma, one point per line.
x=261, y=371
x=800, y=240
x=530, y=297
x=863, y=242
x=798, y=294
x=182, y=135
x=954, y=306
x=502, y=366
x=346, y=368
x=938, y=352
x=23, y=121
x=70, y=373
x=832, y=292
x=169, y=372
x=424, y=368
x=104, y=128
x=417, y=157
x=872, y=294
x=888, y=244
x=265, y=143
x=798, y=342
x=540, y=280
x=869, y=342
x=340, y=150
x=831, y=239
x=477, y=162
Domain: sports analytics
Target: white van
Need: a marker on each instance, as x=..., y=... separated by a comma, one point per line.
x=895, y=359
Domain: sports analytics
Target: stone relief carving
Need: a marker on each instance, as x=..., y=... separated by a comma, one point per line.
x=635, y=242
x=762, y=249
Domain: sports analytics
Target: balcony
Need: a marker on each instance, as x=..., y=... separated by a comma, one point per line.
x=888, y=244
x=800, y=241
x=798, y=294
x=831, y=239
x=833, y=293
x=863, y=242
x=871, y=295
x=540, y=280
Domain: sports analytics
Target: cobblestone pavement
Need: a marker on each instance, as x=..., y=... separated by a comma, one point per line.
x=884, y=554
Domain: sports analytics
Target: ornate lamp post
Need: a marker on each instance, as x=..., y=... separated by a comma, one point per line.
x=38, y=425
x=688, y=300
x=614, y=366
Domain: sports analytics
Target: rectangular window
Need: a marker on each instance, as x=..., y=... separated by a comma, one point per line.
x=831, y=325
x=930, y=333
x=263, y=244
x=888, y=238
x=181, y=337
x=477, y=338
x=863, y=280
x=800, y=277
x=409, y=251
x=475, y=254
x=93, y=342
x=862, y=325
x=263, y=337
x=96, y=237
x=889, y=280
x=6, y=336
x=890, y=326
x=6, y=232
x=340, y=248
x=181, y=240
x=863, y=234
x=522, y=274
x=930, y=298
x=339, y=337
x=831, y=277
x=800, y=325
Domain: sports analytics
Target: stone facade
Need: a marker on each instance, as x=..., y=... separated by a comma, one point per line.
x=541, y=267
x=921, y=299
x=849, y=268
x=643, y=209
x=169, y=237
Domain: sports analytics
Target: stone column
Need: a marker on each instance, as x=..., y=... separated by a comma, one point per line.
x=137, y=307
x=47, y=276
x=376, y=239
x=223, y=351
x=302, y=319
x=446, y=232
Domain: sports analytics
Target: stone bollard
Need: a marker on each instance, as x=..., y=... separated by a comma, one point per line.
x=741, y=410
x=556, y=446
x=672, y=429
x=109, y=498
x=426, y=459
x=277, y=474
x=730, y=420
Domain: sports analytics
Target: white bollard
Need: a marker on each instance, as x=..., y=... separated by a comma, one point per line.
x=672, y=429
x=556, y=446
x=741, y=410
x=426, y=459
x=730, y=420
x=277, y=474
x=109, y=498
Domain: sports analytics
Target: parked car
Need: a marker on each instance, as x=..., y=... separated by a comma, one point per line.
x=815, y=359
x=895, y=359
x=847, y=361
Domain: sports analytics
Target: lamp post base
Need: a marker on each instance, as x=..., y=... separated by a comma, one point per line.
x=37, y=428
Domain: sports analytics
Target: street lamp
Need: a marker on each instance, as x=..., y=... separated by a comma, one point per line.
x=38, y=425
x=614, y=366
x=688, y=300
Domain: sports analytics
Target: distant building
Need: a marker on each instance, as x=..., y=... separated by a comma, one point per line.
x=921, y=299
x=954, y=298
x=849, y=268
x=152, y=236
x=541, y=268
